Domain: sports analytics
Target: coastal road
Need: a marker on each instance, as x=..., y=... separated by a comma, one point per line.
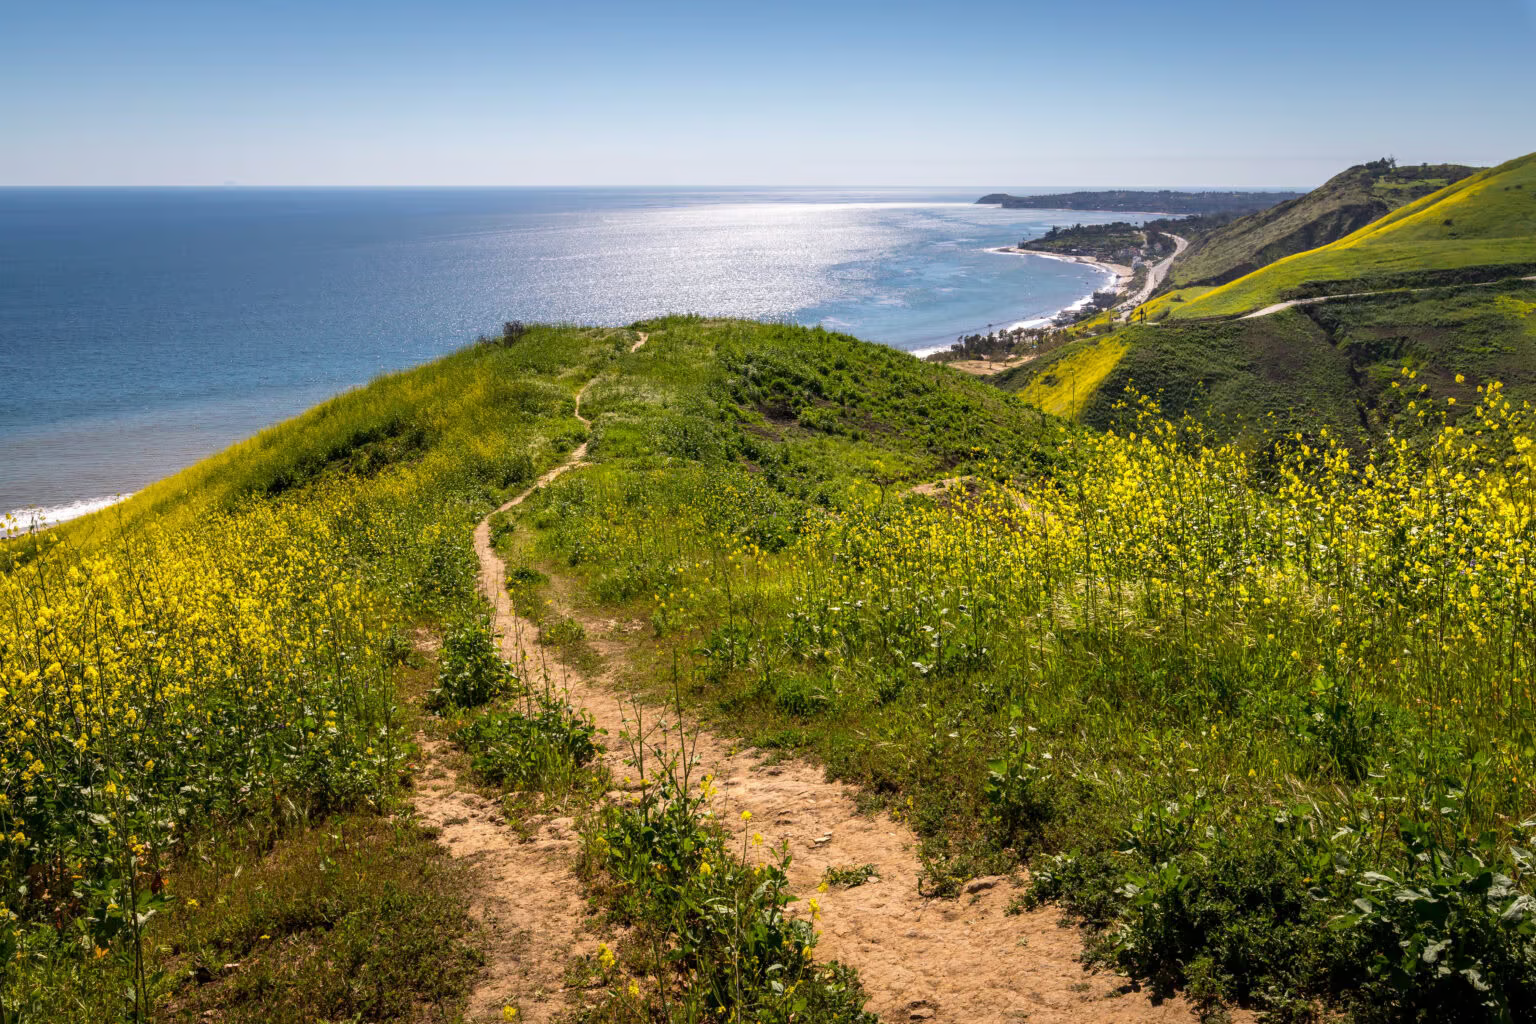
x=1155, y=278
x=1277, y=307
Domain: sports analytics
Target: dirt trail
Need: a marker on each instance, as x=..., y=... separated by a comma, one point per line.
x=529, y=904
x=962, y=960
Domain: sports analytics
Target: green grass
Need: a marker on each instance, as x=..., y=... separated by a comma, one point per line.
x=356, y=917
x=1345, y=203
x=1328, y=365
x=1487, y=219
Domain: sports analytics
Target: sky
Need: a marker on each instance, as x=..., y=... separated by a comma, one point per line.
x=590, y=92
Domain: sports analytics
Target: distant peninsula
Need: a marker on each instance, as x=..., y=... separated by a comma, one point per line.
x=1130, y=201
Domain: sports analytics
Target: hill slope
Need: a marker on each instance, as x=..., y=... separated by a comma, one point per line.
x=1345, y=203
x=1436, y=284
x=1200, y=693
x=1474, y=227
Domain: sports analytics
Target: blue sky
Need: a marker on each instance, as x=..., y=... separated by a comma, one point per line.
x=585, y=92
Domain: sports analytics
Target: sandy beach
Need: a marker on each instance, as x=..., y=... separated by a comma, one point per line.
x=1123, y=273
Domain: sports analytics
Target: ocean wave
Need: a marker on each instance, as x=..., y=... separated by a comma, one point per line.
x=924, y=353
x=36, y=517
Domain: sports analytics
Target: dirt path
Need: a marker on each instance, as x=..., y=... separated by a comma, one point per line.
x=963, y=960
x=530, y=905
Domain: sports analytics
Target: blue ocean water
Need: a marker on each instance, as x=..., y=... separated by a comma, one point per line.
x=141, y=329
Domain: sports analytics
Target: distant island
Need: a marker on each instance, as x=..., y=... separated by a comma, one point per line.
x=1130, y=201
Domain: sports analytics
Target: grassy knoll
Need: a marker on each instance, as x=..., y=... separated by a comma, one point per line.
x=1487, y=220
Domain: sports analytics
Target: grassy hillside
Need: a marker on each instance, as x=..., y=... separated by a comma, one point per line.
x=1309, y=366
x=1345, y=203
x=1188, y=683
x=1256, y=714
x=1476, y=227
x=203, y=708
x=219, y=668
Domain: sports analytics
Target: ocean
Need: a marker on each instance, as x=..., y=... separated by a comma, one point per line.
x=142, y=329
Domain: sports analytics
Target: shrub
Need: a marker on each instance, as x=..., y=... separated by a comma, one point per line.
x=541, y=747
x=724, y=940
x=470, y=672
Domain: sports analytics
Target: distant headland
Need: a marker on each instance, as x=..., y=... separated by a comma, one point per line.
x=1131, y=201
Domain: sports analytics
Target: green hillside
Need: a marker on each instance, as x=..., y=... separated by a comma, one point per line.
x=1471, y=230
x=1329, y=364
x=1228, y=709
x=1342, y=205
x=1440, y=283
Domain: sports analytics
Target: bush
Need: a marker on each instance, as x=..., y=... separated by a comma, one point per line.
x=540, y=749
x=1449, y=937
x=729, y=946
x=471, y=672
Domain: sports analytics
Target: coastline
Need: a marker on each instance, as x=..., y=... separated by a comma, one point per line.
x=1120, y=273
x=34, y=518
x=1123, y=273
x=1122, y=278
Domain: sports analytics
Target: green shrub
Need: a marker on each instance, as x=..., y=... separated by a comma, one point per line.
x=540, y=748
x=731, y=949
x=470, y=672
x=1449, y=936
x=562, y=632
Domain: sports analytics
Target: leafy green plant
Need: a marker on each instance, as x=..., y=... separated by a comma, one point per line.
x=1450, y=935
x=541, y=746
x=849, y=877
x=718, y=931
x=561, y=632
x=470, y=670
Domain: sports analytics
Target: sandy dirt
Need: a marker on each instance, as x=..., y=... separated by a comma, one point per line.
x=987, y=367
x=961, y=960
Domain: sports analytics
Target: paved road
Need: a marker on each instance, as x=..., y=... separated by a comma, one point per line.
x=1277, y=307
x=1155, y=277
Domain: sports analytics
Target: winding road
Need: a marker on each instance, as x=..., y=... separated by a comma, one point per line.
x=1155, y=278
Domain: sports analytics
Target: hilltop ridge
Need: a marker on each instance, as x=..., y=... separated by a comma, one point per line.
x=1345, y=203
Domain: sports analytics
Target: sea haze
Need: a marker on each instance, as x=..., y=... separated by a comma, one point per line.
x=142, y=329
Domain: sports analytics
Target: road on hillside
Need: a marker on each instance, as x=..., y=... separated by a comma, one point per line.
x=1155, y=277
x=1277, y=307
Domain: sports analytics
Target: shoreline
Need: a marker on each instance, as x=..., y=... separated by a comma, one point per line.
x=1123, y=273
x=1122, y=279
x=19, y=522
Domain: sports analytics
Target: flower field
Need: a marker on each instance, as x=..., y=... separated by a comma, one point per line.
x=225, y=649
